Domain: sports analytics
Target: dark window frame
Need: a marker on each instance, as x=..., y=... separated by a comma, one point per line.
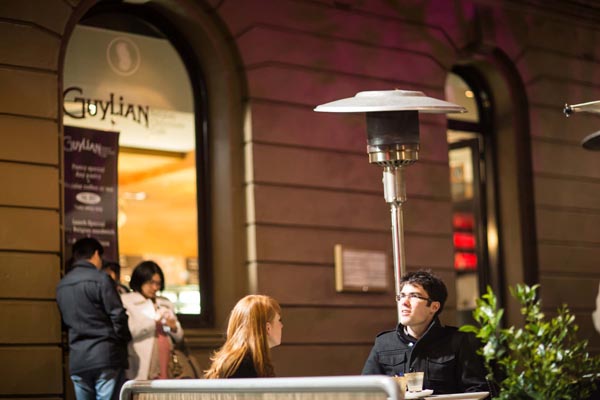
x=490, y=274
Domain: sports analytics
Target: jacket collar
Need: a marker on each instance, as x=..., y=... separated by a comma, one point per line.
x=431, y=332
x=84, y=264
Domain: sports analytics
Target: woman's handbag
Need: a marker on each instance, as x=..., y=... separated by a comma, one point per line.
x=182, y=364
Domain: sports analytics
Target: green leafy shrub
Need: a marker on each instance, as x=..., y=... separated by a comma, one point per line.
x=542, y=360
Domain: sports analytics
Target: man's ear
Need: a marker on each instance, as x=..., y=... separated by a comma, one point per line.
x=96, y=259
x=435, y=306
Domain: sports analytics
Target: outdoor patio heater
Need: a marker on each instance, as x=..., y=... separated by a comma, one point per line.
x=393, y=143
x=591, y=141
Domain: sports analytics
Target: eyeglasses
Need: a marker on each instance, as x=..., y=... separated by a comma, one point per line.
x=412, y=297
x=155, y=283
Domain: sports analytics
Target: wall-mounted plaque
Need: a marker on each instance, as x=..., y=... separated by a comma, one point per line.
x=358, y=270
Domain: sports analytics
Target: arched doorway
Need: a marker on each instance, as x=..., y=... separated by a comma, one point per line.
x=494, y=219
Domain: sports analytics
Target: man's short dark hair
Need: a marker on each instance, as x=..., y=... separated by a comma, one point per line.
x=434, y=286
x=143, y=273
x=84, y=248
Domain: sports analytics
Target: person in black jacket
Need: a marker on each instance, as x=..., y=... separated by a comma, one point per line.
x=92, y=311
x=420, y=342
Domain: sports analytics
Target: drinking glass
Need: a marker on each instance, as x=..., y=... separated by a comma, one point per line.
x=414, y=381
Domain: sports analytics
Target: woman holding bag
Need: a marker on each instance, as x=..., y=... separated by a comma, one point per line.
x=152, y=323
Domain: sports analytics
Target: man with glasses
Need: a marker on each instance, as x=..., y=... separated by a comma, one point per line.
x=98, y=333
x=420, y=343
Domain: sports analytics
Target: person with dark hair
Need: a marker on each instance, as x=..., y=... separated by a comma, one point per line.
x=153, y=324
x=420, y=343
x=113, y=269
x=97, y=323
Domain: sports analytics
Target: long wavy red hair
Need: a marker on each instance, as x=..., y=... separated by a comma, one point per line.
x=246, y=334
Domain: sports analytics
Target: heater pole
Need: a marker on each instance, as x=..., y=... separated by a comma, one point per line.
x=394, y=191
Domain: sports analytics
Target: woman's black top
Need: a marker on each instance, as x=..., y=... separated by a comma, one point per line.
x=246, y=369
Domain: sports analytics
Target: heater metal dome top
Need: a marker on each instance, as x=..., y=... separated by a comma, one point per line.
x=391, y=100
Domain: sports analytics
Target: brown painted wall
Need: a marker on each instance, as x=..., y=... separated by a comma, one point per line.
x=308, y=182
x=31, y=361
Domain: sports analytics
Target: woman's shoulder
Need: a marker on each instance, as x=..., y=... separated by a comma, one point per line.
x=163, y=301
x=133, y=298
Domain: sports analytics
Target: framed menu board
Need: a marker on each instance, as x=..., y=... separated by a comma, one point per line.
x=359, y=270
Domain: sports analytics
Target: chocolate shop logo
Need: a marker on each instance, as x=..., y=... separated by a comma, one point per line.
x=94, y=108
x=85, y=144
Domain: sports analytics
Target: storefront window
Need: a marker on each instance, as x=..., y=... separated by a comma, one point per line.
x=122, y=76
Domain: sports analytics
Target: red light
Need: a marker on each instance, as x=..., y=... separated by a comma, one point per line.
x=464, y=240
x=463, y=221
x=465, y=261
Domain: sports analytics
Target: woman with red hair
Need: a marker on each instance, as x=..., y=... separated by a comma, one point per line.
x=254, y=327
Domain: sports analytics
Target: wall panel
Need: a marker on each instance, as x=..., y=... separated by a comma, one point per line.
x=568, y=226
x=31, y=370
x=39, y=49
x=336, y=325
x=315, y=286
x=571, y=259
x=306, y=167
x=29, y=185
x=351, y=210
x=31, y=93
x=564, y=160
x=568, y=193
x=29, y=140
x=268, y=45
x=26, y=229
x=46, y=15
x=330, y=21
x=575, y=291
x=554, y=92
x=537, y=63
x=30, y=322
x=313, y=245
x=320, y=360
x=29, y=276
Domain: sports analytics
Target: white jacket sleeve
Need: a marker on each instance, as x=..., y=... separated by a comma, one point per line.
x=141, y=315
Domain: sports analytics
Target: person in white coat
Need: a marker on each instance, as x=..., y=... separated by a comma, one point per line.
x=152, y=323
x=596, y=313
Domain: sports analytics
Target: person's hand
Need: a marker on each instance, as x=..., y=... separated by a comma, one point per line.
x=167, y=317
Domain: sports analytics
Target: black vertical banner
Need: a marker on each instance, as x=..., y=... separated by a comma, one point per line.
x=91, y=187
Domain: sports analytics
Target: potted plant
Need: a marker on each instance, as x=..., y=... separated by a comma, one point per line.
x=543, y=359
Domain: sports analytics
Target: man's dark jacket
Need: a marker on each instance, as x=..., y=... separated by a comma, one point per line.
x=447, y=356
x=92, y=310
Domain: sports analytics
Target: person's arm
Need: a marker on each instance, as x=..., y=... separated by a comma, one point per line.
x=473, y=372
x=372, y=366
x=141, y=324
x=114, y=308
